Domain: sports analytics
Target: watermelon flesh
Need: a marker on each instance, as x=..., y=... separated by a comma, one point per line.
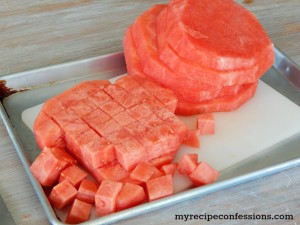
x=48, y=166
x=79, y=212
x=219, y=47
x=144, y=35
x=197, y=72
x=112, y=131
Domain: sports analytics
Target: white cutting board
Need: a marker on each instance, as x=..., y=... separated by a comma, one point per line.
x=265, y=120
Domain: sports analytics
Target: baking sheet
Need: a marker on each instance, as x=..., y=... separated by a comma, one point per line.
x=47, y=82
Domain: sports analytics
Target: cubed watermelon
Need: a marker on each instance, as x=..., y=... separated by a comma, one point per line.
x=203, y=174
x=206, y=123
x=112, y=172
x=192, y=139
x=159, y=187
x=106, y=196
x=49, y=164
x=188, y=163
x=87, y=191
x=80, y=212
x=62, y=194
x=73, y=174
x=130, y=195
x=142, y=172
x=169, y=168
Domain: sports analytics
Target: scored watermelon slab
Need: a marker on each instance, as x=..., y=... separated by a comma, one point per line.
x=124, y=124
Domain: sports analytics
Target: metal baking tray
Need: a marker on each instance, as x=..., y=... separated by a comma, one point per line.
x=39, y=85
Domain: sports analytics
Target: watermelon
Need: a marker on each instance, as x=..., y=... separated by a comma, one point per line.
x=169, y=168
x=188, y=163
x=196, y=71
x=130, y=195
x=192, y=139
x=203, y=174
x=224, y=104
x=143, y=30
x=73, y=174
x=87, y=191
x=106, y=196
x=159, y=187
x=226, y=47
x=111, y=131
x=62, y=194
x=206, y=124
x=80, y=212
x=49, y=164
x=142, y=172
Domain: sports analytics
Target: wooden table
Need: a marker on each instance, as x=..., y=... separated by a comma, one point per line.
x=34, y=35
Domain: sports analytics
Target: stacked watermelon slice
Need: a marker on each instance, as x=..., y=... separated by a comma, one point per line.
x=210, y=53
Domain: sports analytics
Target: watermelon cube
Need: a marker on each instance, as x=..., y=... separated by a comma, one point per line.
x=49, y=164
x=47, y=132
x=162, y=160
x=130, y=195
x=206, y=123
x=73, y=174
x=169, y=168
x=106, y=196
x=142, y=172
x=203, y=174
x=79, y=212
x=112, y=172
x=188, y=163
x=192, y=139
x=62, y=194
x=129, y=153
x=87, y=191
x=159, y=187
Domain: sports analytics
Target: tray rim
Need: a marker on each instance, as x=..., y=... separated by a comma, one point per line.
x=147, y=207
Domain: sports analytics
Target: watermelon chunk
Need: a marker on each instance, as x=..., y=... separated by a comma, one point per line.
x=73, y=174
x=188, y=163
x=62, y=194
x=142, y=172
x=206, y=123
x=203, y=174
x=49, y=164
x=159, y=187
x=130, y=195
x=192, y=139
x=87, y=191
x=111, y=172
x=163, y=160
x=169, y=168
x=47, y=132
x=106, y=197
x=79, y=212
x=129, y=153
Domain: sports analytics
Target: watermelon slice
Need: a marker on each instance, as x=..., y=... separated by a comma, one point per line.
x=143, y=30
x=198, y=72
x=223, y=104
x=230, y=45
